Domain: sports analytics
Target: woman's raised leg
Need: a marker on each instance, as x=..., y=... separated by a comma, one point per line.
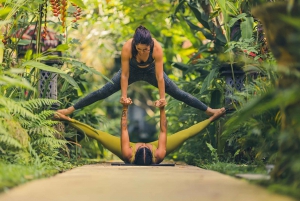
x=110, y=142
x=108, y=89
x=177, y=139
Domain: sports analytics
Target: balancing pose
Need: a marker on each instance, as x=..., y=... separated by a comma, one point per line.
x=142, y=59
x=141, y=153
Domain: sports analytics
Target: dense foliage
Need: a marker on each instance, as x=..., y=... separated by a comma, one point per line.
x=206, y=43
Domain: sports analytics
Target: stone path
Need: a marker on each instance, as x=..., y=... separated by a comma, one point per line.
x=155, y=183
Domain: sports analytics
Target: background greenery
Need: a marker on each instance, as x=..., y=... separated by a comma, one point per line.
x=203, y=41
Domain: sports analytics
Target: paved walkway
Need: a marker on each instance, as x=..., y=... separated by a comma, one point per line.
x=121, y=183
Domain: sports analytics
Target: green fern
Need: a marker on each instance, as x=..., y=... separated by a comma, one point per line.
x=48, y=141
x=38, y=103
x=46, y=114
x=14, y=107
x=42, y=131
x=13, y=128
x=10, y=141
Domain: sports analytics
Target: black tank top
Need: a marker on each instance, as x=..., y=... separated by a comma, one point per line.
x=134, y=62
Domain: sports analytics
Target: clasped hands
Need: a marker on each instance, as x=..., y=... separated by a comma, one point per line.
x=159, y=103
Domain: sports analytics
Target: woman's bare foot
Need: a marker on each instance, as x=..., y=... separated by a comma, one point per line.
x=217, y=114
x=67, y=111
x=59, y=116
x=211, y=112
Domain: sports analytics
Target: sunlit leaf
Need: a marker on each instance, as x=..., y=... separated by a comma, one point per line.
x=247, y=28
x=4, y=11
x=69, y=79
x=232, y=7
x=15, y=82
x=235, y=19
x=62, y=47
x=78, y=3
x=42, y=66
x=207, y=81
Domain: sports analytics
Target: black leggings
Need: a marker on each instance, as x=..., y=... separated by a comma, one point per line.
x=140, y=74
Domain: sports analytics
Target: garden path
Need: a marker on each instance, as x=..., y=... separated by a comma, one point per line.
x=121, y=183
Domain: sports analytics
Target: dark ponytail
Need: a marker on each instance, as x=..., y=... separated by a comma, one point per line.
x=141, y=36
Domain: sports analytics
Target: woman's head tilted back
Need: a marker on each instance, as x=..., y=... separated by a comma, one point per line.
x=143, y=156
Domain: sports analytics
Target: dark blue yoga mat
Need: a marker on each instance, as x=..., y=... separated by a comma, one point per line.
x=128, y=164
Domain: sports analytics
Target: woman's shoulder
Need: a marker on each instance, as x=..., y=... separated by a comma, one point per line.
x=128, y=43
x=156, y=43
x=157, y=49
x=127, y=47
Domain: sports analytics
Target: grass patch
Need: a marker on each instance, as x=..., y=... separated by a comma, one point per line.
x=233, y=169
x=12, y=175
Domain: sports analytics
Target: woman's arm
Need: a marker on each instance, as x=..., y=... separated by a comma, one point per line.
x=125, y=142
x=159, y=71
x=162, y=140
x=125, y=56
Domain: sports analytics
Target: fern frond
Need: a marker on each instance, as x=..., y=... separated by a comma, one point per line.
x=46, y=114
x=34, y=154
x=14, y=107
x=38, y=103
x=52, y=142
x=4, y=114
x=38, y=123
x=15, y=130
x=10, y=141
x=43, y=131
x=2, y=130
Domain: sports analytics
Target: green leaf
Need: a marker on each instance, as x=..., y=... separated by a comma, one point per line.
x=219, y=35
x=206, y=83
x=69, y=79
x=26, y=42
x=206, y=33
x=179, y=6
x=200, y=16
x=232, y=7
x=16, y=83
x=222, y=4
x=270, y=100
x=247, y=28
x=4, y=11
x=42, y=66
x=78, y=3
x=91, y=70
x=233, y=20
x=28, y=54
x=62, y=47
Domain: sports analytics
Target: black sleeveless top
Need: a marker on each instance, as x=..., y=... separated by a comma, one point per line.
x=134, y=62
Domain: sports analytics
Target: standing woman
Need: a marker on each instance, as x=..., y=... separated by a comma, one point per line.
x=142, y=60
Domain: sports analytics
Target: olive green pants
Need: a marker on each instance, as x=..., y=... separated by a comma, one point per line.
x=113, y=143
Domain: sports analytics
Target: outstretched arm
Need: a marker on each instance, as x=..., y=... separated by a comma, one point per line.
x=125, y=56
x=159, y=72
x=162, y=139
x=125, y=142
